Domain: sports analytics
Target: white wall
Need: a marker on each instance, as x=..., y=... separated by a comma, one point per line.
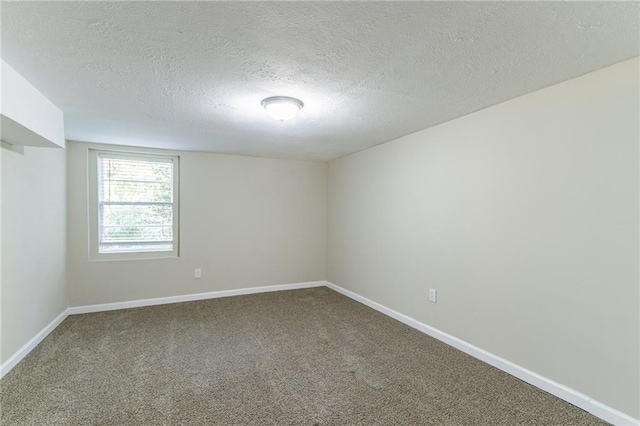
x=28, y=117
x=244, y=221
x=33, y=243
x=524, y=217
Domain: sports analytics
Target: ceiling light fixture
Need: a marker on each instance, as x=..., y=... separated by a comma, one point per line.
x=282, y=107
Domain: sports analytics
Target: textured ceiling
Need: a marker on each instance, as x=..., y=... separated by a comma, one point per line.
x=191, y=75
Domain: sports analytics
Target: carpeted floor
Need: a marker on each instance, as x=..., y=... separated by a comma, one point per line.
x=302, y=357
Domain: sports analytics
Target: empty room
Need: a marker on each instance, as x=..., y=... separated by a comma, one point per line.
x=320, y=213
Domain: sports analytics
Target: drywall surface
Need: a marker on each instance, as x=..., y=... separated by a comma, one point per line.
x=191, y=75
x=1, y=357
x=28, y=117
x=524, y=218
x=244, y=221
x=33, y=243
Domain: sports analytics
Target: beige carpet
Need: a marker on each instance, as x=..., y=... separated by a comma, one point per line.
x=302, y=357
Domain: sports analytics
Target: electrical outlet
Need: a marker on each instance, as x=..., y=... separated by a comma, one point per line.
x=433, y=295
x=198, y=273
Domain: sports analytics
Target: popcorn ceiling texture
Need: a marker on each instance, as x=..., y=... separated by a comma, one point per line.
x=302, y=357
x=191, y=76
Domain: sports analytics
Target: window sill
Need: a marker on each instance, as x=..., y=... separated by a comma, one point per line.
x=111, y=257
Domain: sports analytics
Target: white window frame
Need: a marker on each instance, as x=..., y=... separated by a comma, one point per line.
x=94, y=249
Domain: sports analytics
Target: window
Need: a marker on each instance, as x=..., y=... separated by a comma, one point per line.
x=134, y=205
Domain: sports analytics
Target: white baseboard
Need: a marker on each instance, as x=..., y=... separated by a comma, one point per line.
x=28, y=347
x=572, y=396
x=190, y=297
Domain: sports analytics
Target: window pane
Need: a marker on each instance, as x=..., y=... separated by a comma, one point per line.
x=136, y=215
x=127, y=180
x=128, y=191
x=149, y=233
x=135, y=210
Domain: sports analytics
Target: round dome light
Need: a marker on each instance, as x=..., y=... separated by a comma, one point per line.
x=282, y=107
